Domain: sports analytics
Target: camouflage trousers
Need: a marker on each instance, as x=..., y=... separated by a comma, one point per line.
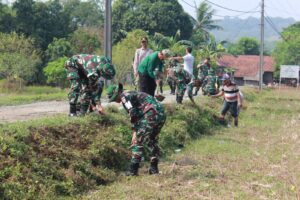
x=181, y=88
x=147, y=131
x=172, y=83
x=74, y=91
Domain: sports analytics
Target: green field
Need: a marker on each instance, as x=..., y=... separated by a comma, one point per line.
x=32, y=94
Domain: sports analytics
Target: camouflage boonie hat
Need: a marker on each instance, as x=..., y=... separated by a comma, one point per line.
x=104, y=59
x=113, y=91
x=107, y=71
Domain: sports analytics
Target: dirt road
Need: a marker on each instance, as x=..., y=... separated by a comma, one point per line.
x=45, y=108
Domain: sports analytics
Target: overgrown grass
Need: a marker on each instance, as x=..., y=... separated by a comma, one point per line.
x=62, y=157
x=258, y=160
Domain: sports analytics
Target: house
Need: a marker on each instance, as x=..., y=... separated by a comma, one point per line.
x=247, y=68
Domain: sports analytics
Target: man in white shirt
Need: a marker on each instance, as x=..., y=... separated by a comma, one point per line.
x=188, y=60
x=188, y=66
x=140, y=54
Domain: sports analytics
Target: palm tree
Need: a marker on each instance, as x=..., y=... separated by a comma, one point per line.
x=204, y=23
x=159, y=42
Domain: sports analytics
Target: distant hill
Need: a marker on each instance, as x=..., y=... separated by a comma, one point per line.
x=235, y=28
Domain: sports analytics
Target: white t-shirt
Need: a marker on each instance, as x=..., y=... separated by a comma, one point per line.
x=188, y=62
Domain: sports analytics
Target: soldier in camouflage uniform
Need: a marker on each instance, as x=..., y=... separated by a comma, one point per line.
x=170, y=75
x=75, y=74
x=202, y=74
x=159, y=77
x=91, y=70
x=212, y=83
x=147, y=118
x=183, y=82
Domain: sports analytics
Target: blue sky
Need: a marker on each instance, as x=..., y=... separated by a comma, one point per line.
x=274, y=8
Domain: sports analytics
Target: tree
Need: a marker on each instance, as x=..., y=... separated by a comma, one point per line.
x=18, y=57
x=86, y=40
x=55, y=72
x=85, y=13
x=59, y=48
x=203, y=24
x=163, y=16
x=42, y=21
x=214, y=50
x=7, y=20
x=159, y=42
x=287, y=50
x=123, y=53
x=245, y=46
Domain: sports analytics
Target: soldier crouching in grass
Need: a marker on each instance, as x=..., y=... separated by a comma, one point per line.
x=147, y=117
x=232, y=99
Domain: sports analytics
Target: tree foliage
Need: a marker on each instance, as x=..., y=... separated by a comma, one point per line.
x=18, y=57
x=123, y=53
x=203, y=24
x=7, y=20
x=55, y=72
x=41, y=20
x=245, y=46
x=163, y=16
x=85, y=13
x=287, y=50
x=86, y=40
x=59, y=48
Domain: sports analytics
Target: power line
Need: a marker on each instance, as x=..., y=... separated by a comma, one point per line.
x=230, y=8
x=247, y=12
x=272, y=25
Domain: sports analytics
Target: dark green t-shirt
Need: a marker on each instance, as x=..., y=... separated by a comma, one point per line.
x=148, y=65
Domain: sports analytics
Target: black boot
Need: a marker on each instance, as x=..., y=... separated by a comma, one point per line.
x=133, y=169
x=153, y=166
x=236, y=122
x=196, y=92
x=72, y=110
x=83, y=109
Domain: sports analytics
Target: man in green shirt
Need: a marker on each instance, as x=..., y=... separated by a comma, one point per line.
x=147, y=68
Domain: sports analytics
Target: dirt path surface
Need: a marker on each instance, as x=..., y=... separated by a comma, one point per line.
x=43, y=109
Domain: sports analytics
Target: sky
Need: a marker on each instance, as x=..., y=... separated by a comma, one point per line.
x=273, y=8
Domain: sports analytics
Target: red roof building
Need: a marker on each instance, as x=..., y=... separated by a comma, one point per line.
x=247, y=68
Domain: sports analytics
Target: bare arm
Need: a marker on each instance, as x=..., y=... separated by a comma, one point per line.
x=221, y=93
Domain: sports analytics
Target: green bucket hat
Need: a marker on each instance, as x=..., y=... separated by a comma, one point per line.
x=107, y=71
x=113, y=91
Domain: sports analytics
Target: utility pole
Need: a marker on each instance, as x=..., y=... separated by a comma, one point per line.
x=262, y=29
x=107, y=29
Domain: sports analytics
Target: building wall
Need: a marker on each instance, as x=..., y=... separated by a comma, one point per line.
x=268, y=77
x=239, y=81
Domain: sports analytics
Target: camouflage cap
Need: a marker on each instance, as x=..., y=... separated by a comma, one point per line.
x=113, y=92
